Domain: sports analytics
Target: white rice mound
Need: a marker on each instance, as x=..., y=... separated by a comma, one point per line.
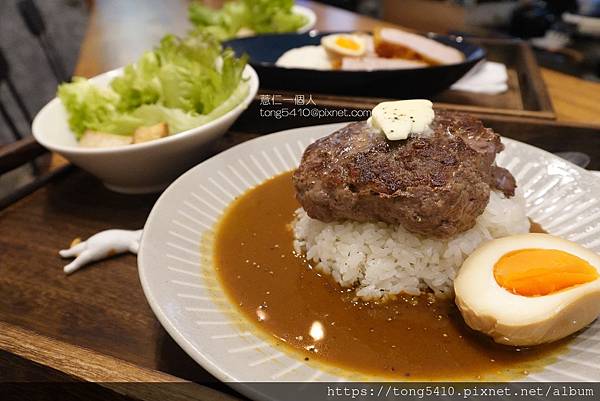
x=381, y=260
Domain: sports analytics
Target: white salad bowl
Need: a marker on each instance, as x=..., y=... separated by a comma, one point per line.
x=140, y=168
x=311, y=18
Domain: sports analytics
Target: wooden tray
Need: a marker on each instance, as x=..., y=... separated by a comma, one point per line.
x=96, y=325
x=526, y=97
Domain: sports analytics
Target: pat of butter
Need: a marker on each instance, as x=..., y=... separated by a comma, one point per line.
x=401, y=118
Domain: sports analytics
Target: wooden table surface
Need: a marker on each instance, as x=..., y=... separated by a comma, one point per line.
x=96, y=325
x=574, y=99
x=119, y=31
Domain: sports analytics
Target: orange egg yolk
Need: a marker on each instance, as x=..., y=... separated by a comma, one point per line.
x=347, y=43
x=535, y=272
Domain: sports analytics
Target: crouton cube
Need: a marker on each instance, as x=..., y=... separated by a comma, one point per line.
x=145, y=134
x=95, y=139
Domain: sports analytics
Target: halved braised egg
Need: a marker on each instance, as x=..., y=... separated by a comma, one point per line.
x=529, y=289
x=344, y=44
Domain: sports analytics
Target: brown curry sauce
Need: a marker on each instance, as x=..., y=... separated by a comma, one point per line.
x=416, y=338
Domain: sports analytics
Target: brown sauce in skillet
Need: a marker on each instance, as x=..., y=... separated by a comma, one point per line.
x=407, y=338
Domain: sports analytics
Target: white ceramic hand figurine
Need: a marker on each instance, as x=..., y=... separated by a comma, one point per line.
x=102, y=245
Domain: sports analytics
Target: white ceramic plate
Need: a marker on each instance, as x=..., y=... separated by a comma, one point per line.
x=190, y=304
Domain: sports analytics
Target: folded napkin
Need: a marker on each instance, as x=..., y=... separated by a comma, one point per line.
x=486, y=77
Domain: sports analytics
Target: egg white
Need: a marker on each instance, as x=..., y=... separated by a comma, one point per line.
x=306, y=57
x=521, y=320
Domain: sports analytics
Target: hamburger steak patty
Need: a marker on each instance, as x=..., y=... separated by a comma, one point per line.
x=434, y=186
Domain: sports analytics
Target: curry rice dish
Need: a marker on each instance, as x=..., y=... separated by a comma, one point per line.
x=410, y=337
x=350, y=259
x=428, y=202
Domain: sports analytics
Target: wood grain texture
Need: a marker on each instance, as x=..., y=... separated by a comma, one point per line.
x=18, y=153
x=573, y=99
x=119, y=31
x=102, y=307
x=45, y=176
x=526, y=96
x=80, y=364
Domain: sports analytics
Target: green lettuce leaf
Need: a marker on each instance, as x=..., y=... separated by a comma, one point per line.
x=178, y=120
x=274, y=16
x=139, y=83
x=87, y=105
x=185, y=82
x=260, y=16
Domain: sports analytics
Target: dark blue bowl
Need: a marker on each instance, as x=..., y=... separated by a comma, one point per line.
x=264, y=51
